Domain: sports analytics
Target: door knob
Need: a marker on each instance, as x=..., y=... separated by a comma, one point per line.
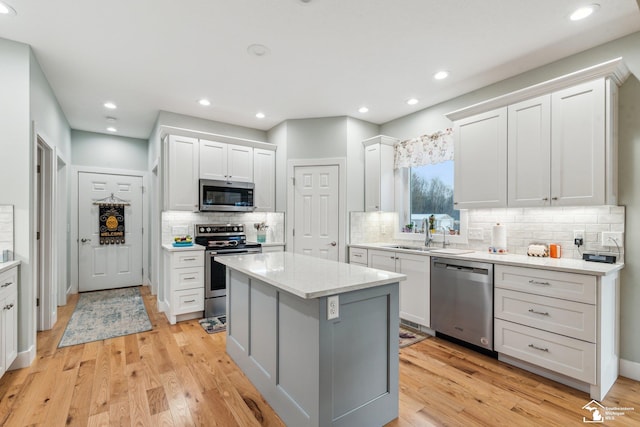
x=85, y=240
x=333, y=243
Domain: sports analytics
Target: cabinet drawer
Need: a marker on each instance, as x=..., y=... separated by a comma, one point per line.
x=184, y=259
x=187, y=278
x=358, y=256
x=187, y=301
x=9, y=281
x=557, y=284
x=567, y=356
x=573, y=319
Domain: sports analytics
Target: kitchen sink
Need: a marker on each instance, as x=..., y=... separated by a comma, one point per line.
x=411, y=248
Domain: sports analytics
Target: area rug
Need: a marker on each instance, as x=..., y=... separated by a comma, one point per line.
x=106, y=314
x=214, y=324
x=410, y=336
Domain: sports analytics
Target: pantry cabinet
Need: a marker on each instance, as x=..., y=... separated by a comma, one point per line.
x=264, y=175
x=8, y=318
x=378, y=174
x=480, y=147
x=181, y=177
x=415, y=291
x=551, y=144
x=228, y=162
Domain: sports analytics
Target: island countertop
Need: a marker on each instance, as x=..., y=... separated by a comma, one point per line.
x=308, y=277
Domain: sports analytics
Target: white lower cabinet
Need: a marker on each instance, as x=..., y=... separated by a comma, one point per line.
x=415, y=291
x=8, y=318
x=564, y=323
x=184, y=284
x=358, y=256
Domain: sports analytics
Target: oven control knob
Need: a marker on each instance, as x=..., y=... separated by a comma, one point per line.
x=208, y=229
x=235, y=228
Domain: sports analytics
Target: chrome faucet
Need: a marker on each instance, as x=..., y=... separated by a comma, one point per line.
x=428, y=237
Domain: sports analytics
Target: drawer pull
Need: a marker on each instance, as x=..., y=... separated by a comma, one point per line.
x=531, y=310
x=535, y=282
x=8, y=307
x=188, y=259
x=357, y=255
x=538, y=348
x=7, y=284
x=190, y=278
x=191, y=300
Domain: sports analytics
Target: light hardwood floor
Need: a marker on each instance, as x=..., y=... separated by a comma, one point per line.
x=181, y=376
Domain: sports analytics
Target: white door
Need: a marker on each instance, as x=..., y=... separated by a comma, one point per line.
x=316, y=211
x=109, y=266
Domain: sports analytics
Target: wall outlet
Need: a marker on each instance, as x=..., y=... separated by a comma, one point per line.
x=578, y=234
x=333, y=307
x=610, y=238
x=475, y=233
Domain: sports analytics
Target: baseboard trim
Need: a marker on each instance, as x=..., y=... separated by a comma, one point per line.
x=24, y=359
x=630, y=369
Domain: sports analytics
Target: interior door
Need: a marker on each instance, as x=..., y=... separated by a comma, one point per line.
x=316, y=211
x=109, y=266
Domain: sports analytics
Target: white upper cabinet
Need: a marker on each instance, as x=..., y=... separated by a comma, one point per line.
x=556, y=140
x=480, y=147
x=578, y=145
x=529, y=148
x=264, y=173
x=181, y=180
x=378, y=174
x=228, y=162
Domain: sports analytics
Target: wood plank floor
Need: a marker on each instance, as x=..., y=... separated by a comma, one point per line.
x=181, y=376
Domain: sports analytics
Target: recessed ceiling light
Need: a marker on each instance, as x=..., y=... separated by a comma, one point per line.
x=110, y=105
x=260, y=115
x=412, y=101
x=257, y=50
x=363, y=110
x=112, y=129
x=204, y=102
x=6, y=9
x=441, y=75
x=584, y=12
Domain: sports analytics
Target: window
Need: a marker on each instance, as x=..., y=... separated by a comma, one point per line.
x=431, y=197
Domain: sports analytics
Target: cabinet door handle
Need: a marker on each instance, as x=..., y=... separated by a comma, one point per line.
x=535, y=282
x=7, y=284
x=539, y=348
x=455, y=203
x=8, y=307
x=531, y=310
x=554, y=198
x=191, y=300
x=545, y=198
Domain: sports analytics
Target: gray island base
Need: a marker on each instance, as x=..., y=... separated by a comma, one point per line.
x=311, y=370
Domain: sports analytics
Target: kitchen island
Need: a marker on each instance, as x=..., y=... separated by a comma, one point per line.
x=315, y=371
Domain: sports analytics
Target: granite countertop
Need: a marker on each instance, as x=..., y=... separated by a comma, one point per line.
x=4, y=266
x=169, y=247
x=308, y=277
x=557, y=264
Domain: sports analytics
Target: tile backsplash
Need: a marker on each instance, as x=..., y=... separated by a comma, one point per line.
x=524, y=226
x=6, y=231
x=178, y=222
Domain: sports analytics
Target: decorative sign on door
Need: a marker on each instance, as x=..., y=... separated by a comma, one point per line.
x=111, y=220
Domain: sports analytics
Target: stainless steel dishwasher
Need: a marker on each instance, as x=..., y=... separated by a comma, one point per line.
x=462, y=300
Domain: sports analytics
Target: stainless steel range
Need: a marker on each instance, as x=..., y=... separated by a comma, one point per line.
x=220, y=240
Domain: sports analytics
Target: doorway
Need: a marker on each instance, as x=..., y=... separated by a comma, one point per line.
x=45, y=263
x=316, y=205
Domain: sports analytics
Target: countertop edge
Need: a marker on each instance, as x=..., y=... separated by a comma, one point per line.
x=560, y=264
x=170, y=248
x=4, y=266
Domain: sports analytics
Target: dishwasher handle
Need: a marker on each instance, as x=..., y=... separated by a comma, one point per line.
x=462, y=268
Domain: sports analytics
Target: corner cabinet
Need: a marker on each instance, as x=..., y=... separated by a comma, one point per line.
x=181, y=178
x=8, y=318
x=227, y=162
x=264, y=176
x=551, y=144
x=378, y=174
x=415, y=292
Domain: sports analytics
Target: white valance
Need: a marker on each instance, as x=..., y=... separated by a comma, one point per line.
x=424, y=150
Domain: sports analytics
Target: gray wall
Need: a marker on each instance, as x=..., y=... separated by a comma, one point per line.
x=108, y=151
x=433, y=119
x=26, y=97
x=317, y=138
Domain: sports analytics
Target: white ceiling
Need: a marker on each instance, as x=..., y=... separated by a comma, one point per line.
x=326, y=58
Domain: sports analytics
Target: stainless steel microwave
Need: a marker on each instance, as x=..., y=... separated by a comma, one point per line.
x=226, y=196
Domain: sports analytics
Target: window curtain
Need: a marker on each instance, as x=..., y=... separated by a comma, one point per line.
x=424, y=150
